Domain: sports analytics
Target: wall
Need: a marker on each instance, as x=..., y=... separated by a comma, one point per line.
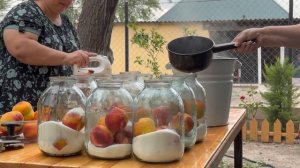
x=168, y=30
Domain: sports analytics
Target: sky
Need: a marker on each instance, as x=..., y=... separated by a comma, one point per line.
x=166, y=5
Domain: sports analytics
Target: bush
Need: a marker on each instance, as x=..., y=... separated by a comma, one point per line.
x=282, y=94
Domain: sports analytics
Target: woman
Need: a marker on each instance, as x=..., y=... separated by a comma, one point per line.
x=270, y=36
x=37, y=41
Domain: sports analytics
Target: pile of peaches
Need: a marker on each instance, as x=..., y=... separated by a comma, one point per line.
x=23, y=113
x=111, y=128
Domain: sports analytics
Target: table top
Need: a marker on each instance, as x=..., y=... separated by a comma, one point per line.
x=204, y=154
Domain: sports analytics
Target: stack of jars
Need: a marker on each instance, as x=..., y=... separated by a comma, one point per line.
x=156, y=126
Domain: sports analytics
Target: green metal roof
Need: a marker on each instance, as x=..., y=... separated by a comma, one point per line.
x=222, y=10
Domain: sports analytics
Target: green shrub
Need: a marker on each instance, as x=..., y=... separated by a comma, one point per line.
x=282, y=94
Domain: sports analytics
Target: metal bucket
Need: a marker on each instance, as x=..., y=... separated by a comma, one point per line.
x=217, y=80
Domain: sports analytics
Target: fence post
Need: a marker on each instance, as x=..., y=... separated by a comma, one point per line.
x=265, y=130
x=253, y=130
x=290, y=129
x=277, y=131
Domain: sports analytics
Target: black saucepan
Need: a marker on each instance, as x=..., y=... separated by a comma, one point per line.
x=194, y=53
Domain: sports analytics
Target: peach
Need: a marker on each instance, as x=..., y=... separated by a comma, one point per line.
x=189, y=105
x=123, y=137
x=35, y=116
x=44, y=114
x=188, y=123
x=11, y=117
x=60, y=144
x=162, y=115
x=25, y=108
x=116, y=119
x=143, y=126
x=141, y=112
x=101, y=121
x=74, y=119
x=30, y=130
x=200, y=108
x=123, y=106
x=101, y=136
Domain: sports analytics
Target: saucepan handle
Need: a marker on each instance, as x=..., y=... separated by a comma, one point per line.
x=223, y=47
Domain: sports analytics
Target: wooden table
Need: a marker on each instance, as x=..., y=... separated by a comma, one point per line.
x=205, y=154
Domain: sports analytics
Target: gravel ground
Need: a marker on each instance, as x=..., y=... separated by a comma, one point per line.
x=276, y=155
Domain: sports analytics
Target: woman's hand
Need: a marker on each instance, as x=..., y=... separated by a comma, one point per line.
x=248, y=40
x=79, y=57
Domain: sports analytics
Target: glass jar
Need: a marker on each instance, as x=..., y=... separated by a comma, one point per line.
x=108, y=131
x=200, y=97
x=132, y=82
x=189, y=103
x=85, y=83
x=61, y=118
x=158, y=134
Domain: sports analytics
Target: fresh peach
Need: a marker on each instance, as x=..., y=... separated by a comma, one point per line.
x=11, y=116
x=188, y=123
x=200, y=108
x=189, y=105
x=123, y=106
x=60, y=144
x=74, y=119
x=123, y=137
x=116, y=119
x=162, y=115
x=143, y=126
x=35, y=116
x=25, y=108
x=101, y=136
x=101, y=121
x=44, y=114
x=30, y=130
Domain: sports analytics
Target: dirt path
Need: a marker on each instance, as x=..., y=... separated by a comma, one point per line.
x=277, y=155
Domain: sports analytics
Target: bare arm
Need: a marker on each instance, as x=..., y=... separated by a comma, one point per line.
x=25, y=48
x=271, y=36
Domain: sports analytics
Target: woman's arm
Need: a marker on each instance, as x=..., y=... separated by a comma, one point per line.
x=270, y=36
x=25, y=48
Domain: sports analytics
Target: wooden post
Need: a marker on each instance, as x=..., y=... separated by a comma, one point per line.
x=290, y=129
x=265, y=130
x=277, y=131
x=253, y=130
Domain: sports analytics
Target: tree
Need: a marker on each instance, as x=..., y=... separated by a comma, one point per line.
x=3, y=4
x=137, y=10
x=95, y=26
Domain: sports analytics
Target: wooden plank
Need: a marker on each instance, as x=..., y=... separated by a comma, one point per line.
x=290, y=129
x=205, y=154
x=253, y=130
x=265, y=130
x=277, y=131
x=244, y=129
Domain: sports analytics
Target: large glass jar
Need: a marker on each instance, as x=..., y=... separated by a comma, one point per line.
x=108, y=131
x=61, y=118
x=200, y=97
x=189, y=103
x=158, y=134
x=132, y=82
x=86, y=84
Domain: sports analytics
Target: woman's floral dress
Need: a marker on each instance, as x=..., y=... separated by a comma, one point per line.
x=23, y=82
